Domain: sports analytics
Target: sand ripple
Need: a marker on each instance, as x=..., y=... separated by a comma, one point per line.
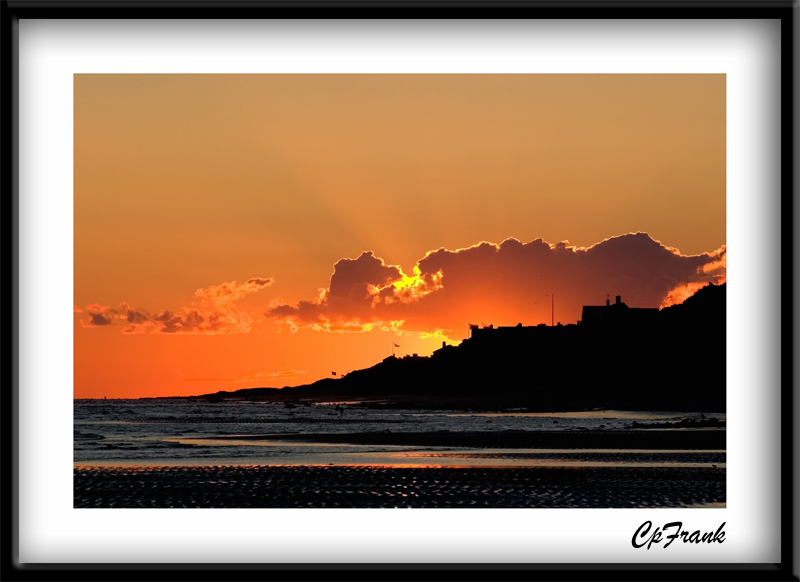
x=362, y=487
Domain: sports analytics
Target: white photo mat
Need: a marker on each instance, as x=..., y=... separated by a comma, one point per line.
x=51, y=51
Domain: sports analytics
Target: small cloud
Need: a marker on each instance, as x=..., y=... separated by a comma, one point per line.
x=212, y=312
x=99, y=315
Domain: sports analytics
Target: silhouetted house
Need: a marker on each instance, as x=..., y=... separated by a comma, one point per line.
x=518, y=337
x=446, y=350
x=617, y=315
x=541, y=338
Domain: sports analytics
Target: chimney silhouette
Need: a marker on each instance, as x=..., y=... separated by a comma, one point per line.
x=619, y=299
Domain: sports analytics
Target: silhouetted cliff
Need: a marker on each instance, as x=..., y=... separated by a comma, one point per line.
x=624, y=358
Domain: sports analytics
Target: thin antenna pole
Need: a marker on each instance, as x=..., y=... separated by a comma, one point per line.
x=552, y=308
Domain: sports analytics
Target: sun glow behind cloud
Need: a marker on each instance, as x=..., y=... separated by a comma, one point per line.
x=449, y=288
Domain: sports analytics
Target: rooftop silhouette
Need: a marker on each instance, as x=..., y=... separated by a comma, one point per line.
x=616, y=357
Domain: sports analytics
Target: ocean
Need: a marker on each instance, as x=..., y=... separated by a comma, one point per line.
x=168, y=432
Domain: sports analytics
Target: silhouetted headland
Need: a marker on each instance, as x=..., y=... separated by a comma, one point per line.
x=616, y=357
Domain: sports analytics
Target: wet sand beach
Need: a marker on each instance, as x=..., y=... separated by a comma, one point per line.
x=612, y=439
x=390, y=487
x=507, y=469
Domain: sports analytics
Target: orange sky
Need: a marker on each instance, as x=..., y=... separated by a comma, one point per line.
x=210, y=211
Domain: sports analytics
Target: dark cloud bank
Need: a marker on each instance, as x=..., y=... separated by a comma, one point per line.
x=503, y=284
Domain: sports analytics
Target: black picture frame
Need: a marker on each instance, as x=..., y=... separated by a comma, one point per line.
x=12, y=11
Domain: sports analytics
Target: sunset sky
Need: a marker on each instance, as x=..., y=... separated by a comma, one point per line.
x=236, y=231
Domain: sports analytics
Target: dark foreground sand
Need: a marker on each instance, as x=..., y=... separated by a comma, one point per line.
x=365, y=486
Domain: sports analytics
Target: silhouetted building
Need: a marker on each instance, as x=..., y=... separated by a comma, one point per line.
x=617, y=315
